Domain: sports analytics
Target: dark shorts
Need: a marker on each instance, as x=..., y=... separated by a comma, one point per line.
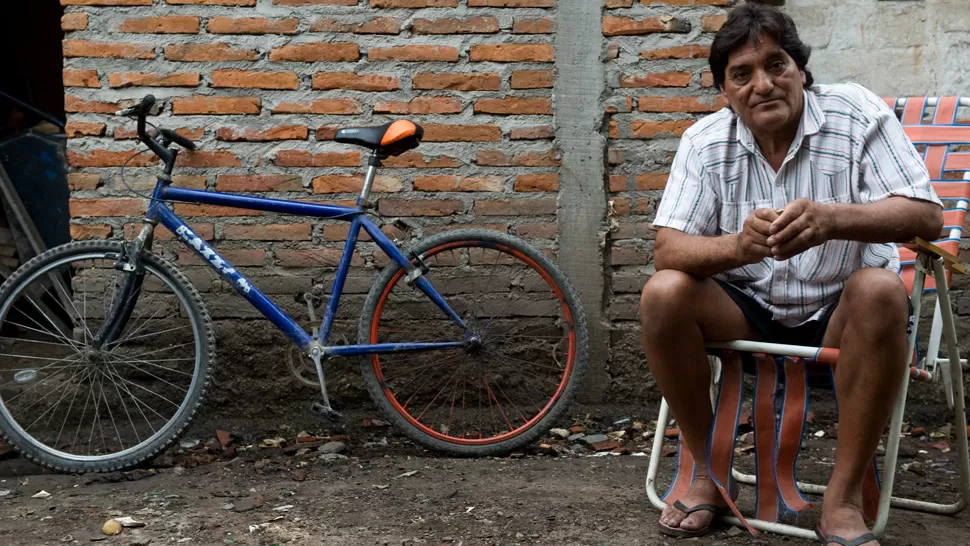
x=809, y=334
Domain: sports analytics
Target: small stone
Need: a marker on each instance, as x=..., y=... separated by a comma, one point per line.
x=576, y=437
x=333, y=457
x=140, y=541
x=190, y=444
x=605, y=446
x=576, y=429
x=560, y=432
x=734, y=531
x=223, y=437
x=299, y=475
x=41, y=495
x=917, y=432
x=245, y=505
x=595, y=438
x=332, y=447
x=111, y=527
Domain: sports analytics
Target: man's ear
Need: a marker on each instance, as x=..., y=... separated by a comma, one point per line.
x=804, y=77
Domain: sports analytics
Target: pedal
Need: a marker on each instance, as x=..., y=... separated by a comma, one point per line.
x=326, y=412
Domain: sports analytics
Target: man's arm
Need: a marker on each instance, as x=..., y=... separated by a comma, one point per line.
x=805, y=224
x=704, y=256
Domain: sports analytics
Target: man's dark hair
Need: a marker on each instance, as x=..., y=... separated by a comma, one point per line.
x=748, y=23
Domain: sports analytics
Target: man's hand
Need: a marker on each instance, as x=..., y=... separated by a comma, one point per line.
x=753, y=243
x=802, y=225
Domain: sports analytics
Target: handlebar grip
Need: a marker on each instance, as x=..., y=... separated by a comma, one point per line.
x=178, y=139
x=146, y=104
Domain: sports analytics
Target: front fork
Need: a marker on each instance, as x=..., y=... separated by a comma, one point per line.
x=120, y=313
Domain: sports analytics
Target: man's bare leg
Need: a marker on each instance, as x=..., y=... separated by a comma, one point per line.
x=678, y=313
x=869, y=328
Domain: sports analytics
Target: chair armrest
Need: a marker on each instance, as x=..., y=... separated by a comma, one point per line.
x=950, y=261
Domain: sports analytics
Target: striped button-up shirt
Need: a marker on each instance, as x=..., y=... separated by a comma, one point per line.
x=849, y=148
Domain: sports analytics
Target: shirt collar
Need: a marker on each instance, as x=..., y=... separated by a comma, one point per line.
x=813, y=118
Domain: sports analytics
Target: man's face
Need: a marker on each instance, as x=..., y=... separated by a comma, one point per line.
x=763, y=85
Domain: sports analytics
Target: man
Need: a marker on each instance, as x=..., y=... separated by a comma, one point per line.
x=778, y=224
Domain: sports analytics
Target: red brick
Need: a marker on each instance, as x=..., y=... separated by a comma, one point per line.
x=238, y=257
x=532, y=79
x=497, y=158
x=625, y=26
x=361, y=82
x=83, y=181
x=537, y=182
x=618, y=182
x=186, y=209
x=148, y=79
x=545, y=25
x=538, y=132
x=707, y=79
x=208, y=158
x=516, y=207
x=434, y=132
x=84, y=232
x=629, y=255
x=650, y=129
x=74, y=21
x=453, y=25
x=74, y=129
x=420, y=105
x=419, y=207
x=414, y=53
x=419, y=161
x=303, y=158
x=315, y=52
x=412, y=3
x=457, y=82
x=327, y=132
x=266, y=232
x=87, y=48
x=339, y=183
x=614, y=4
x=280, y=132
x=690, y=51
x=252, y=25
x=208, y=53
x=652, y=181
x=657, y=79
x=511, y=3
x=163, y=24
x=314, y=257
x=456, y=183
x=107, y=158
x=256, y=80
x=320, y=106
x=713, y=23
x=74, y=104
x=678, y=104
x=215, y=105
x=81, y=78
x=84, y=208
x=252, y=182
x=506, y=53
x=375, y=25
x=537, y=230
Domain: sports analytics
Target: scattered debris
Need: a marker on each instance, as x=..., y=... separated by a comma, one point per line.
x=127, y=521
x=560, y=433
x=595, y=438
x=224, y=437
x=190, y=444
x=41, y=495
x=111, y=527
x=820, y=434
x=407, y=474
x=332, y=447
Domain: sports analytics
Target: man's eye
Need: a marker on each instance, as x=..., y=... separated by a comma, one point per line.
x=741, y=76
x=778, y=66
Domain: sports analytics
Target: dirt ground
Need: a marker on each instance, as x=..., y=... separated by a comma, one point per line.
x=381, y=489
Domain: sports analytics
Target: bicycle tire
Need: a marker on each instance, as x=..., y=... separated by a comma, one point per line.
x=12, y=432
x=556, y=406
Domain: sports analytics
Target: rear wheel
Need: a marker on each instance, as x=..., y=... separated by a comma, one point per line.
x=74, y=404
x=524, y=356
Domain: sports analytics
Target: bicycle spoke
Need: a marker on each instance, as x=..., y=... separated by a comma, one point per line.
x=152, y=363
x=124, y=406
x=138, y=403
x=158, y=378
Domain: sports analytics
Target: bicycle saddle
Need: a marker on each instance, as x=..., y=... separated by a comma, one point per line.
x=393, y=138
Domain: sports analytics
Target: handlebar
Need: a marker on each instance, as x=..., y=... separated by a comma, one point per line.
x=161, y=149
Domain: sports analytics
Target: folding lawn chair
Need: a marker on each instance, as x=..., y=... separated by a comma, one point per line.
x=930, y=123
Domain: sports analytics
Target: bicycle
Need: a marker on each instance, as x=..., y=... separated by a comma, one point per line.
x=457, y=371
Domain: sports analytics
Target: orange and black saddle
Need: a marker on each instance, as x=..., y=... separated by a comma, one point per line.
x=393, y=138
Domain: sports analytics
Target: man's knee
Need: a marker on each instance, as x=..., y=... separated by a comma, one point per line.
x=877, y=297
x=666, y=294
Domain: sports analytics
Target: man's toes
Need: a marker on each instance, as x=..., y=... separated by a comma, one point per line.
x=695, y=521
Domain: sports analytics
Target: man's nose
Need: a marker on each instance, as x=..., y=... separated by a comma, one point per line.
x=762, y=82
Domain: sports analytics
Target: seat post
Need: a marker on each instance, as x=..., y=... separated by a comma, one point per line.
x=373, y=162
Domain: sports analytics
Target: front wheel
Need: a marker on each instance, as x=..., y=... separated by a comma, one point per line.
x=523, y=358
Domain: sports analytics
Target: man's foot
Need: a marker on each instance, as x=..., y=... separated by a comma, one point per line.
x=702, y=491
x=845, y=522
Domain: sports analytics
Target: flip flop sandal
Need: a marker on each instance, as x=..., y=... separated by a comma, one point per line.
x=684, y=533
x=864, y=539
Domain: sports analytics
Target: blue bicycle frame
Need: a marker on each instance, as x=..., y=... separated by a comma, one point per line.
x=158, y=211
